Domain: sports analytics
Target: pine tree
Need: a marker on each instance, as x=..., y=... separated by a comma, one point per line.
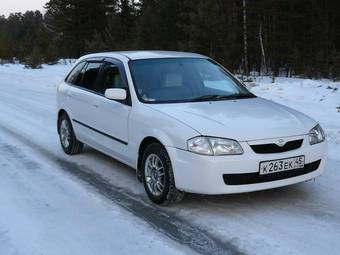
x=34, y=60
x=75, y=22
x=204, y=28
x=157, y=26
x=287, y=37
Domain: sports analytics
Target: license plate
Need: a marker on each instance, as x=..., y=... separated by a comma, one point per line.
x=280, y=165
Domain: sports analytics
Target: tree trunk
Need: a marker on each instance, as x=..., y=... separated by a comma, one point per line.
x=246, y=69
x=263, y=62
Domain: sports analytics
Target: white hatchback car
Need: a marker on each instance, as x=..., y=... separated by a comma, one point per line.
x=185, y=124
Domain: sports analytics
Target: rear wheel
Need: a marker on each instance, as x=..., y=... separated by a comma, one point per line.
x=68, y=140
x=158, y=178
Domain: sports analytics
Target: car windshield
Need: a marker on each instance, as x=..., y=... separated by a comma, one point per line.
x=184, y=80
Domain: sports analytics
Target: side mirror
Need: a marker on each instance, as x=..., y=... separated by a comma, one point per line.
x=116, y=94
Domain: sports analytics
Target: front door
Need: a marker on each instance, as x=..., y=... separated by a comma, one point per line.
x=110, y=117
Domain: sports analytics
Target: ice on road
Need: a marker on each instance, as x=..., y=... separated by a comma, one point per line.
x=45, y=210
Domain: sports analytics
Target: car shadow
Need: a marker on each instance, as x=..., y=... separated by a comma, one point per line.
x=282, y=195
x=269, y=197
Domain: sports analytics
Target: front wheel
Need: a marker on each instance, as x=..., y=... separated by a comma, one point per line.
x=158, y=178
x=68, y=140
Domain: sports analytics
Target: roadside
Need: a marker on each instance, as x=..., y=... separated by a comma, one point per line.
x=163, y=221
x=43, y=211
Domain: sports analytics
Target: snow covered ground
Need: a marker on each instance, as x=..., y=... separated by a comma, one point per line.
x=51, y=203
x=43, y=210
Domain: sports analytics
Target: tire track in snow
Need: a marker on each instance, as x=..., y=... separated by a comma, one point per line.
x=163, y=221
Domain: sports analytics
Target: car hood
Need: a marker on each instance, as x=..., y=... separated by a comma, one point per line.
x=242, y=120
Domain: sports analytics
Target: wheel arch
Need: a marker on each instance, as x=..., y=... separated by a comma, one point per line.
x=142, y=146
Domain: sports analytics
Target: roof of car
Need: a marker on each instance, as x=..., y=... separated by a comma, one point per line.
x=133, y=55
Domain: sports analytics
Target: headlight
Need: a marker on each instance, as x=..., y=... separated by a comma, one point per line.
x=316, y=135
x=214, y=146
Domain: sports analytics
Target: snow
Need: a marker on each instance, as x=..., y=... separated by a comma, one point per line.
x=45, y=210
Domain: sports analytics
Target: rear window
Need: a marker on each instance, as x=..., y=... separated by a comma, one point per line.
x=75, y=76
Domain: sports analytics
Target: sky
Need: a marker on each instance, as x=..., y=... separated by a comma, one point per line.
x=9, y=6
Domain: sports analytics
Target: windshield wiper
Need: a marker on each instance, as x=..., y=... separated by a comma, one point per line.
x=240, y=96
x=221, y=97
x=206, y=98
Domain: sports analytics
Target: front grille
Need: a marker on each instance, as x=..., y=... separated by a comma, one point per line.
x=274, y=148
x=251, y=178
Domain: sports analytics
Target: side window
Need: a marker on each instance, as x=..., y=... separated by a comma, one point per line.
x=110, y=78
x=90, y=75
x=74, y=75
x=79, y=78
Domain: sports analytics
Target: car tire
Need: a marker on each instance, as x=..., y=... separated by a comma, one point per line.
x=68, y=140
x=158, y=177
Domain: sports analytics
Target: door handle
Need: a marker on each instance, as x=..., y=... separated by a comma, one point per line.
x=68, y=94
x=95, y=105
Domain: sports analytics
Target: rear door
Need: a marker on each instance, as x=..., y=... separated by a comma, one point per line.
x=66, y=89
x=82, y=101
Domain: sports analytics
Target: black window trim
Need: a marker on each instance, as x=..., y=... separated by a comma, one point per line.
x=104, y=60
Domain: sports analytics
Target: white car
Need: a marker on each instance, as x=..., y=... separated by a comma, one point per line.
x=185, y=124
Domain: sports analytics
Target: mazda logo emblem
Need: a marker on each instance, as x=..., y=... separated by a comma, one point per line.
x=280, y=142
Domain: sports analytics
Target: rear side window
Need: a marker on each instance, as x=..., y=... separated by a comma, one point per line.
x=110, y=78
x=90, y=75
x=79, y=79
x=75, y=76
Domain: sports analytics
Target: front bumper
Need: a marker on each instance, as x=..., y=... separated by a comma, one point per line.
x=209, y=174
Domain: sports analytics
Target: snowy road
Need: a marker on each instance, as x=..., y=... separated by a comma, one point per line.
x=51, y=203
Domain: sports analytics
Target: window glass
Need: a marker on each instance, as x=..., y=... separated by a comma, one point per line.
x=110, y=78
x=79, y=78
x=90, y=75
x=184, y=80
x=213, y=77
x=73, y=76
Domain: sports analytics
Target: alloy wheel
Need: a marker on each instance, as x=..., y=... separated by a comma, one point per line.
x=65, y=133
x=154, y=174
